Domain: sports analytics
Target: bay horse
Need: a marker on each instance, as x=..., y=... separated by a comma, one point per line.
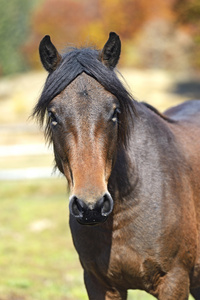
x=133, y=175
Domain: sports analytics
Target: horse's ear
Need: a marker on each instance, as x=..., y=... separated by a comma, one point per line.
x=111, y=51
x=49, y=55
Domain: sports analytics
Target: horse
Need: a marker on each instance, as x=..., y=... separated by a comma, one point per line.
x=133, y=175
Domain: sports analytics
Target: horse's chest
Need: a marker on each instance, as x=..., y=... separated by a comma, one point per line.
x=117, y=265
x=125, y=267
x=109, y=256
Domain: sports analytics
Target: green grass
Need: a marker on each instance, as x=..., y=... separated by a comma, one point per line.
x=37, y=257
x=36, y=252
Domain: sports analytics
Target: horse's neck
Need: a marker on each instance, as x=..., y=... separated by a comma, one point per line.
x=147, y=147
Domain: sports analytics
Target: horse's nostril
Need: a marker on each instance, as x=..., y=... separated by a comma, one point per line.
x=76, y=206
x=107, y=205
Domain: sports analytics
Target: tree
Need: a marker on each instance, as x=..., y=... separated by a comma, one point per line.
x=89, y=21
x=14, y=16
x=64, y=20
x=188, y=16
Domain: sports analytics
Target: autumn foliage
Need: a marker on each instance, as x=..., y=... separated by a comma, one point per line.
x=88, y=22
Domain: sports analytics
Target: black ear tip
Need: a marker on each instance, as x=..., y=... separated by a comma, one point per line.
x=46, y=39
x=113, y=35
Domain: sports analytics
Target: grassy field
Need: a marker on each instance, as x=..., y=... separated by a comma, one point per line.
x=37, y=259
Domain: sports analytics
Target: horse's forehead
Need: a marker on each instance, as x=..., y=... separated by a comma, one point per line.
x=82, y=81
x=86, y=87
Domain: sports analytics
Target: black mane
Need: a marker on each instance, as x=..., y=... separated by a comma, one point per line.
x=152, y=108
x=75, y=62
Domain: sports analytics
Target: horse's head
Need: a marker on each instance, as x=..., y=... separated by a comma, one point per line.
x=83, y=122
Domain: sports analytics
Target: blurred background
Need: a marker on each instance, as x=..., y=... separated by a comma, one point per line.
x=160, y=62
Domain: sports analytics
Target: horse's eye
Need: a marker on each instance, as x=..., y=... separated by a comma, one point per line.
x=116, y=114
x=53, y=118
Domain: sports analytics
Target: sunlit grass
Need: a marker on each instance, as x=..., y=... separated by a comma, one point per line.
x=36, y=251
